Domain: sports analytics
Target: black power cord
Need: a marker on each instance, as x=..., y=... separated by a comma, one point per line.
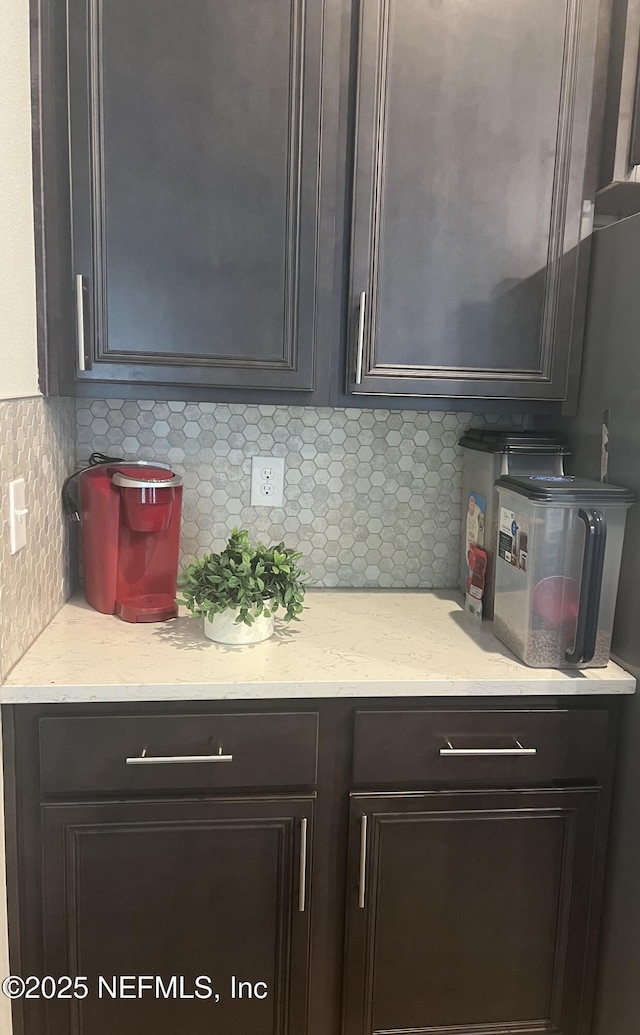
x=69, y=504
x=101, y=458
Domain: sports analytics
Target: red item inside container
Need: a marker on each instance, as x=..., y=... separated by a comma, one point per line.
x=555, y=602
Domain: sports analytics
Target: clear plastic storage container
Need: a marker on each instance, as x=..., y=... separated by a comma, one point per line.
x=486, y=455
x=558, y=553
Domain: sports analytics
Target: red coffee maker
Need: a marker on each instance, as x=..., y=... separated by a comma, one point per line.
x=130, y=514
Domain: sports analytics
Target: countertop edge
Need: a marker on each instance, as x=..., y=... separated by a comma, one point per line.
x=571, y=686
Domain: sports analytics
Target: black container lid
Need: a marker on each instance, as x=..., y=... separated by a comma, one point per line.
x=565, y=489
x=490, y=440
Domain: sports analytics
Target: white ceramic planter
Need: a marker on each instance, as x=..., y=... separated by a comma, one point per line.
x=222, y=628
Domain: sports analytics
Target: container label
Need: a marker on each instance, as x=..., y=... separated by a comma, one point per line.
x=513, y=539
x=475, y=523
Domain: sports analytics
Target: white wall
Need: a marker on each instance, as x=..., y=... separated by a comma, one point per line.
x=18, y=355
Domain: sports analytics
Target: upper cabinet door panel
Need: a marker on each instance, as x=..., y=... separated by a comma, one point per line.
x=195, y=129
x=472, y=123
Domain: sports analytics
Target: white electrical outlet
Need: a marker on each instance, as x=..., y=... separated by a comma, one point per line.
x=17, y=515
x=267, y=481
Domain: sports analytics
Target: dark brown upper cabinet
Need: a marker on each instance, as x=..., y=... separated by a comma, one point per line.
x=316, y=201
x=195, y=143
x=620, y=151
x=473, y=184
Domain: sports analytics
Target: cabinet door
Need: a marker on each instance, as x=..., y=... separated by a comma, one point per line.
x=195, y=158
x=218, y=889
x=469, y=912
x=471, y=140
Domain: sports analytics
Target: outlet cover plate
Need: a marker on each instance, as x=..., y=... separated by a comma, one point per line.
x=267, y=481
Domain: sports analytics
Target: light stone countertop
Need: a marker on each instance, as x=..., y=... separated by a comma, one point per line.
x=350, y=643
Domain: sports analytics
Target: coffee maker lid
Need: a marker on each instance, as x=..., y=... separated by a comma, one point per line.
x=543, y=488
x=137, y=477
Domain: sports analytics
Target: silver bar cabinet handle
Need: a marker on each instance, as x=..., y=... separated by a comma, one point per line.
x=302, y=883
x=360, y=352
x=145, y=759
x=82, y=366
x=363, y=860
x=519, y=751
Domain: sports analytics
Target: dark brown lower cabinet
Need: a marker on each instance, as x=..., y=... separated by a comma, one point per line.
x=462, y=844
x=208, y=895
x=469, y=913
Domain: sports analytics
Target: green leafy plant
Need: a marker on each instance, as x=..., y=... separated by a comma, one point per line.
x=257, y=580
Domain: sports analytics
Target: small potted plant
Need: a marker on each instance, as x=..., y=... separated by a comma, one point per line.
x=239, y=590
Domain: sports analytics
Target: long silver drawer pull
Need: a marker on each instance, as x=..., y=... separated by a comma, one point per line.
x=360, y=352
x=302, y=883
x=450, y=752
x=82, y=366
x=363, y=860
x=145, y=759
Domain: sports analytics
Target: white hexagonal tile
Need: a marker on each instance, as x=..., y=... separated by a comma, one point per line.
x=379, y=476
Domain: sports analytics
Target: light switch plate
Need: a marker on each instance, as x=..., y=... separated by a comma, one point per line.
x=267, y=481
x=17, y=515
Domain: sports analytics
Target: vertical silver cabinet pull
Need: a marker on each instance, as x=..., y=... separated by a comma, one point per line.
x=363, y=860
x=586, y=223
x=302, y=882
x=360, y=352
x=82, y=366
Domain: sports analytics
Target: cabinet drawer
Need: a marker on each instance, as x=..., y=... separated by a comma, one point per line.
x=177, y=752
x=491, y=748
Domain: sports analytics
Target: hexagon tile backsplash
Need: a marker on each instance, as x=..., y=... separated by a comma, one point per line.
x=371, y=498
x=36, y=441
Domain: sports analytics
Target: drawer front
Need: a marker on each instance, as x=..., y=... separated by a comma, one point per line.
x=500, y=748
x=177, y=752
